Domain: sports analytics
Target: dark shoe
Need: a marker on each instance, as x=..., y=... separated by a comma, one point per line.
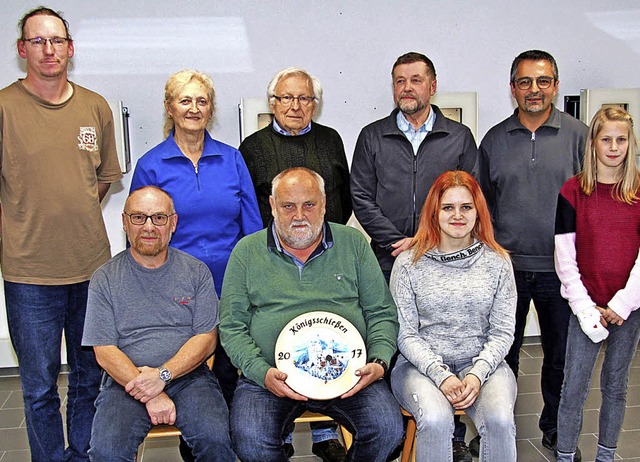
x=288, y=449
x=474, y=446
x=329, y=451
x=461, y=452
x=550, y=440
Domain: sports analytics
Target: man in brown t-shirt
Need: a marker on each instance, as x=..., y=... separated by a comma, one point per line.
x=57, y=161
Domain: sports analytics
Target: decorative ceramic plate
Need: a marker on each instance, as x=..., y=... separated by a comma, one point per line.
x=320, y=352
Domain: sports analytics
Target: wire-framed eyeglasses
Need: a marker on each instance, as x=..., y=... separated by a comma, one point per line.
x=56, y=42
x=287, y=100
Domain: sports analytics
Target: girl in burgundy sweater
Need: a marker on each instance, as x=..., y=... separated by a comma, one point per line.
x=596, y=257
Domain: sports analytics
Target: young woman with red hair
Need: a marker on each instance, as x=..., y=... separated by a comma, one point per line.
x=456, y=299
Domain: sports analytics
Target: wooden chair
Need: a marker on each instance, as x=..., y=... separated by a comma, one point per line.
x=309, y=416
x=162, y=431
x=409, y=447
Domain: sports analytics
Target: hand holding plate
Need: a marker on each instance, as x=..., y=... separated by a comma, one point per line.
x=275, y=383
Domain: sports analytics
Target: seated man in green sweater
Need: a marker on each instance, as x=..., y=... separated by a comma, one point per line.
x=302, y=263
x=294, y=140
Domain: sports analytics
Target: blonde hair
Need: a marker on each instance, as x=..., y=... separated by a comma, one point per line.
x=176, y=83
x=626, y=189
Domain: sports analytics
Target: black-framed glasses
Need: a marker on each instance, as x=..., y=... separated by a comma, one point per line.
x=158, y=219
x=543, y=82
x=287, y=100
x=57, y=42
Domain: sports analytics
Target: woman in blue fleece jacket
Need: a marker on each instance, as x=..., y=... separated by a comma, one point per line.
x=209, y=183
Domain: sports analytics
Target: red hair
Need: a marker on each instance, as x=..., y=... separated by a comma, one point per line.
x=428, y=235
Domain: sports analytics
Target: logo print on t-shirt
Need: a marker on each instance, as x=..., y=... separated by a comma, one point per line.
x=88, y=139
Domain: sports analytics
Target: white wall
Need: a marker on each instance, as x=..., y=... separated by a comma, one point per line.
x=127, y=49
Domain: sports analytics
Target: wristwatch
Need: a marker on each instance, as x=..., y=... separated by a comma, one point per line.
x=165, y=374
x=382, y=362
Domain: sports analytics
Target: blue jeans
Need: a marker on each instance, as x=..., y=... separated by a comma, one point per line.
x=260, y=421
x=553, y=316
x=121, y=422
x=581, y=358
x=37, y=316
x=492, y=413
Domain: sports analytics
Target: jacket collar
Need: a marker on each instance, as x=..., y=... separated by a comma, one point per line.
x=553, y=121
x=210, y=148
x=390, y=125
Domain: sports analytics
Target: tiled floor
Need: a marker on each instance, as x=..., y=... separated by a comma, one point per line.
x=13, y=438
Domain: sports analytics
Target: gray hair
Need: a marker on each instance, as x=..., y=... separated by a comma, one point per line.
x=280, y=176
x=534, y=55
x=293, y=71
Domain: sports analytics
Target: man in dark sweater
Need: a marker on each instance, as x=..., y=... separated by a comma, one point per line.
x=523, y=163
x=293, y=140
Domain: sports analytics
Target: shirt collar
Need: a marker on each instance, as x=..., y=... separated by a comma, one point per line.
x=273, y=243
x=282, y=131
x=405, y=126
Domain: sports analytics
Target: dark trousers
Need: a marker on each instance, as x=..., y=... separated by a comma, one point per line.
x=553, y=317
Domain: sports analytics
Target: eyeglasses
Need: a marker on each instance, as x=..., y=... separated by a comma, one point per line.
x=158, y=219
x=57, y=42
x=287, y=100
x=542, y=82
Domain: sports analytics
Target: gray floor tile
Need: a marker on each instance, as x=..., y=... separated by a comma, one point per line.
x=11, y=418
x=629, y=444
x=527, y=427
x=531, y=351
x=14, y=401
x=529, y=384
x=527, y=452
x=17, y=456
x=528, y=403
x=4, y=395
x=631, y=418
x=9, y=383
x=590, y=421
x=13, y=439
x=529, y=366
x=633, y=395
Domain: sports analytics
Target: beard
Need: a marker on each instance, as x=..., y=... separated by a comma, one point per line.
x=145, y=249
x=534, y=108
x=296, y=237
x=410, y=106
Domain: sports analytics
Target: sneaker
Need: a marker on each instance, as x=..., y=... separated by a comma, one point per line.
x=288, y=449
x=474, y=446
x=461, y=452
x=329, y=451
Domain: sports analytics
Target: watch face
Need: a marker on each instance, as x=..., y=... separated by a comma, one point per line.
x=165, y=375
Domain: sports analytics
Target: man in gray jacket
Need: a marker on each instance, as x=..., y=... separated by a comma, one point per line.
x=396, y=160
x=524, y=161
